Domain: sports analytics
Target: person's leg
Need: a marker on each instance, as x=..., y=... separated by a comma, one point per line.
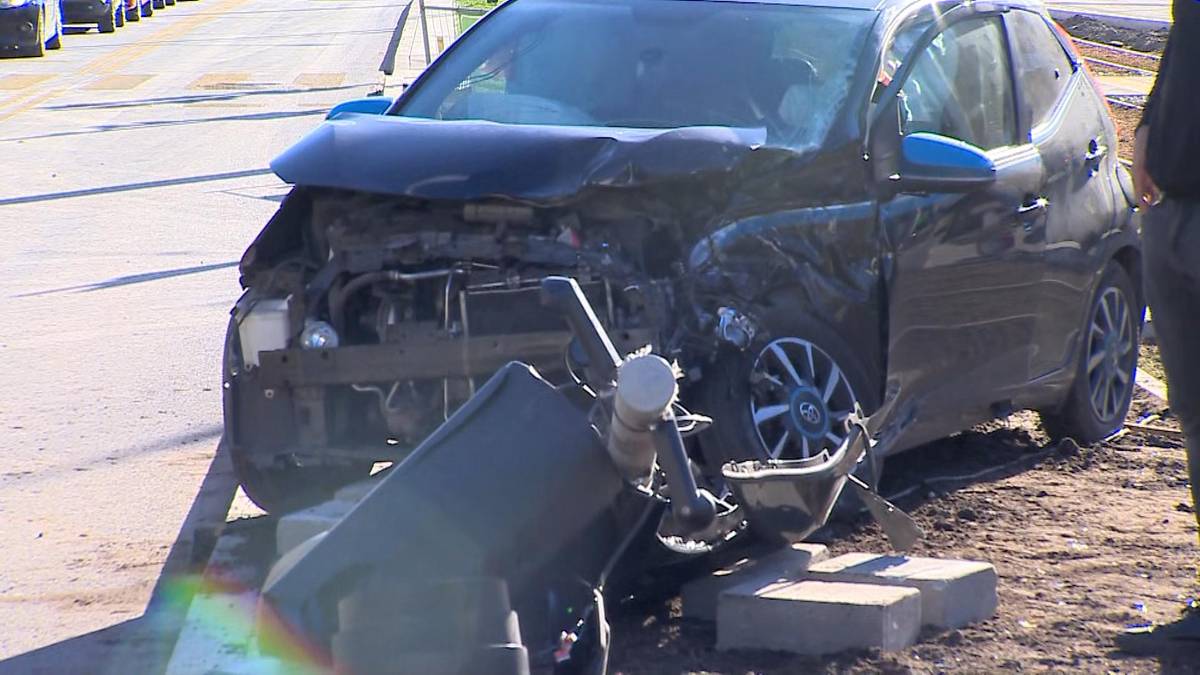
x=1171, y=260
x=1171, y=250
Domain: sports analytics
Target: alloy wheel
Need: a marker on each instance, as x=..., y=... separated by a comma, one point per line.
x=1111, y=350
x=800, y=399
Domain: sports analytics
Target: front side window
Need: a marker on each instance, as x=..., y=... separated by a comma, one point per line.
x=960, y=86
x=1043, y=67
x=652, y=64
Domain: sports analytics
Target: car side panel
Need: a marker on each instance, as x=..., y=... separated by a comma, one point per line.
x=961, y=299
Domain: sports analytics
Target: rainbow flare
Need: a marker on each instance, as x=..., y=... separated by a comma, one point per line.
x=232, y=616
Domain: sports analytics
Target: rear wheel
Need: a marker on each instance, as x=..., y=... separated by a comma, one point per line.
x=158, y=4
x=1099, y=400
x=147, y=9
x=118, y=14
x=134, y=13
x=281, y=485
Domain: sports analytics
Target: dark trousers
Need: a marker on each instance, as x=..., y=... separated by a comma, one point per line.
x=1171, y=250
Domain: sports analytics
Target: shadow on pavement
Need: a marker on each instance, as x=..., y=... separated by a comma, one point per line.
x=127, y=187
x=104, y=128
x=132, y=279
x=200, y=98
x=144, y=644
x=166, y=444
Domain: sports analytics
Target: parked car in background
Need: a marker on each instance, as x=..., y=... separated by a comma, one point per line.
x=136, y=9
x=30, y=27
x=107, y=15
x=810, y=205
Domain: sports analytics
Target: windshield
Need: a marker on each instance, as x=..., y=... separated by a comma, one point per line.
x=651, y=64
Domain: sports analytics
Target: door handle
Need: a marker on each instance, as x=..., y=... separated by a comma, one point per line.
x=1033, y=206
x=1097, y=150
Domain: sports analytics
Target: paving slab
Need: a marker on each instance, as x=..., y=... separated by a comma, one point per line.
x=217, y=636
x=699, y=596
x=817, y=617
x=954, y=593
x=296, y=528
x=354, y=492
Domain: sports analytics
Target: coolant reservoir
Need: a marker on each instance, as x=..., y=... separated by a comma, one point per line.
x=263, y=328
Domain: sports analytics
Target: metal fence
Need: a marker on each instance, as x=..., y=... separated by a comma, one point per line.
x=424, y=31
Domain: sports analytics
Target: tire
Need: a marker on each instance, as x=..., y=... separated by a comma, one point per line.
x=134, y=14
x=283, y=486
x=39, y=47
x=147, y=9
x=158, y=4
x=169, y=3
x=108, y=24
x=119, y=15
x=1097, y=403
x=732, y=400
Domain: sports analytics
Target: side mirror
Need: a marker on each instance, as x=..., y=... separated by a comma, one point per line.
x=935, y=163
x=370, y=105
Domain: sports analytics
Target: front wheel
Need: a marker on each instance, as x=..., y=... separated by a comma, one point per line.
x=785, y=397
x=1097, y=403
x=39, y=47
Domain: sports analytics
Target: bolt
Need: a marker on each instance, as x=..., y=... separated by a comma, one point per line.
x=269, y=393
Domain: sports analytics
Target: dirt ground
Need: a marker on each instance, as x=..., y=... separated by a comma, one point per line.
x=1098, y=31
x=1085, y=541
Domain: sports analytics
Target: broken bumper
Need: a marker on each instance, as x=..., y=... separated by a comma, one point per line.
x=424, y=357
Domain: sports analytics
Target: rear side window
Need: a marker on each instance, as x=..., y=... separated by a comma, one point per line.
x=1043, y=67
x=961, y=86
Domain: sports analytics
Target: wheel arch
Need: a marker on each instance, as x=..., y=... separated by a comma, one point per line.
x=1129, y=257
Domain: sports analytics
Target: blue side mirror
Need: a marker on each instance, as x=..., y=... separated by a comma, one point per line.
x=935, y=163
x=370, y=105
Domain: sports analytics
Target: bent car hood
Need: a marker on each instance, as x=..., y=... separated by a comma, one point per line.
x=433, y=159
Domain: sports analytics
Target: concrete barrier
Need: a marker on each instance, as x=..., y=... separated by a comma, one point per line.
x=817, y=617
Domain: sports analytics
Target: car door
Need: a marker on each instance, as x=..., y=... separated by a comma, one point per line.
x=962, y=290
x=1077, y=147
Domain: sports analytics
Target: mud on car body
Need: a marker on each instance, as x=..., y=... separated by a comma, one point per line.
x=805, y=204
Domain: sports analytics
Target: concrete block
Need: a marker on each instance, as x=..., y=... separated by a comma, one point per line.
x=954, y=593
x=295, y=528
x=355, y=492
x=699, y=596
x=817, y=617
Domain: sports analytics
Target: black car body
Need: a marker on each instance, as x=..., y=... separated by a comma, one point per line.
x=29, y=27
x=106, y=14
x=810, y=205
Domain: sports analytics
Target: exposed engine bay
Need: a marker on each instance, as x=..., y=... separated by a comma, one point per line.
x=403, y=308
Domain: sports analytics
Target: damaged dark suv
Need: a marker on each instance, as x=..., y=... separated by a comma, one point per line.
x=807, y=204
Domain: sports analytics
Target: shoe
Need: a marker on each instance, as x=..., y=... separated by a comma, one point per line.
x=1179, y=638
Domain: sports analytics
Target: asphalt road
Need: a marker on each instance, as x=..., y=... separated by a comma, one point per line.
x=132, y=176
x=1157, y=10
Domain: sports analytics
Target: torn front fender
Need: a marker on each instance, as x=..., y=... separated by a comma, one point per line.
x=828, y=257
